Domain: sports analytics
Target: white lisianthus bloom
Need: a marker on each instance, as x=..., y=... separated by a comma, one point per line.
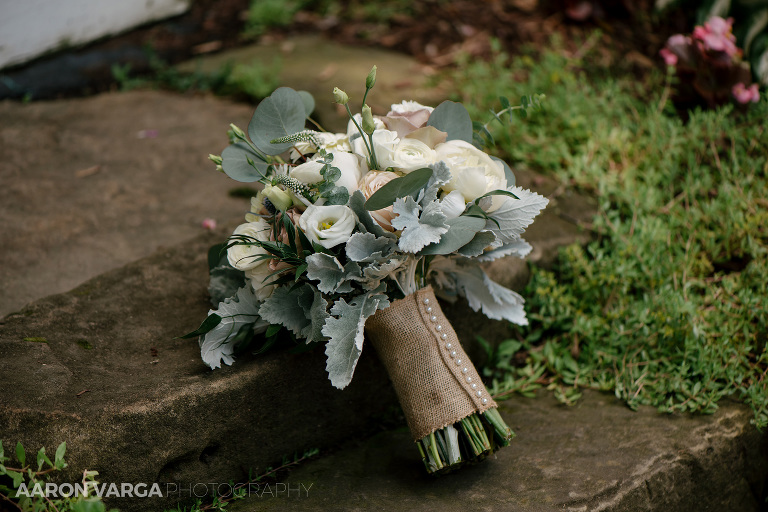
x=308, y=172
x=408, y=155
x=328, y=226
x=246, y=256
x=384, y=144
x=452, y=205
x=353, y=132
x=352, y=169
x=409, y=106
x=473, y=172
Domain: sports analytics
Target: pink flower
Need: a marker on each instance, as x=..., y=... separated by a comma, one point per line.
x=209, y=224
x=745, y=94
x=669, y=58
x=716, y=35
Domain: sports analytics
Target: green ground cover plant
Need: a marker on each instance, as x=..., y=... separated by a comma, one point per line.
x=667, y=305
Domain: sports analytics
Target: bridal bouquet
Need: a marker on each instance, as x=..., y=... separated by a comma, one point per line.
x=352, y=234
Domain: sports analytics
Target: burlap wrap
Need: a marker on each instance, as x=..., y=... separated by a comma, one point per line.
x=434, y=386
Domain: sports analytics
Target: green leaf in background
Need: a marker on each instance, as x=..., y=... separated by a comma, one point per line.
x=507, y=171
x=241, y=163
x=281, y=114
x=461, y=231
x=58, y=459
x=452, y=118
x=21, y=454
x=408, y=185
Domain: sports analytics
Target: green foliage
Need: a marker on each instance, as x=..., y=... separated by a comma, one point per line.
x=666, y=306
x=24, y=484
x=252, y=81
x=266, y=14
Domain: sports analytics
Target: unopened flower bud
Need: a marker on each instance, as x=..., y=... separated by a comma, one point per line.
x=238, y=133
x=340, y=96
x=368, y=125
x=278, y=197
x=370, y=80
x=215, y=159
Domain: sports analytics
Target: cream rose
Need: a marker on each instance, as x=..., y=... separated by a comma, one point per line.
x=328, y=226
x=372, y=182
x=408, y=155
x=246, y=256
x=473, y=172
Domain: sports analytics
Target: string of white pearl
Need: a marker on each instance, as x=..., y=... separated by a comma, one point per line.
x=453, y=353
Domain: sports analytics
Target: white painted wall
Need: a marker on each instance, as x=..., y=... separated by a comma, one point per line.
x=30, y=28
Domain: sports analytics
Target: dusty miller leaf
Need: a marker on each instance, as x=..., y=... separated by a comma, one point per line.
x=365, y=221
x=367, y=247
x=514, y=215
x=287, y=307
x=317, y=314
x=418, y=230
x=345, y=330
x=461, y=231
x=519, y=248
x=218, y=345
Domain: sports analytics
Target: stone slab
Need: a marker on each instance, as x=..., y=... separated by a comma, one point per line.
x=100, y=368
x=89, y=185
x=595, y=456
x=315, y=64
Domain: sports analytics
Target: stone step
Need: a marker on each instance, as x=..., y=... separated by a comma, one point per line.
x=595, y=456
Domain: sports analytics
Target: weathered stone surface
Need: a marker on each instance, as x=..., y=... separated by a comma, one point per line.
x=83, y=194
x=317, y=65
x=99, y=368
x=595, y=456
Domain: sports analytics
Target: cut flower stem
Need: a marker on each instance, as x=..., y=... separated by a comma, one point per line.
x=467, y=441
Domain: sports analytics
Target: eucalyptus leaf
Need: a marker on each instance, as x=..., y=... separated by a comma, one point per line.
x=452, y=118
x=408, y=185
x=236, y=162
x=461, y=231
x=478, y=244
x=282, y=113
x=217, y=256
x=309, y=102
x=507, y=171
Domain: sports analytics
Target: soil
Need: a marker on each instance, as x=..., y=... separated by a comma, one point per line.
x=631, y=28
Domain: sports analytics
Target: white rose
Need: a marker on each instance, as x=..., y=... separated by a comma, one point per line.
x=328, y=226
x=247, y=256
x=409, y=155
x=473, y=172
